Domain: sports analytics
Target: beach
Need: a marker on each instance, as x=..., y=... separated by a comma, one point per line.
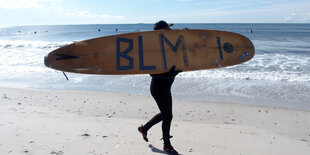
x=260, y=107
x=34, y=121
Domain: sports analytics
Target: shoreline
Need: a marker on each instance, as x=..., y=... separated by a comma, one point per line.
x=246, y=101
x=90, y=122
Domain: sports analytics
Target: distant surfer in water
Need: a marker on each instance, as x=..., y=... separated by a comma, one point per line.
x=161, y=92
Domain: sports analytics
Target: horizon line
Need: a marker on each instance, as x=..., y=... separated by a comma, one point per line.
x=151, y=24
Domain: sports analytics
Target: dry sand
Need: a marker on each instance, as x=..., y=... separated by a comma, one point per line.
x=40, y=122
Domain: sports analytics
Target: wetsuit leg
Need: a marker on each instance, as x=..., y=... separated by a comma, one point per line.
x=160, y=90
x=165, y=105
x=156, y=119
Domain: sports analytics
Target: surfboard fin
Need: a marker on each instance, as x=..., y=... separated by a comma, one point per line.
x=66, y=76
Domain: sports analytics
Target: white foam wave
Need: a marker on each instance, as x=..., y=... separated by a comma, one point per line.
x=253, y=75
x=21, y=44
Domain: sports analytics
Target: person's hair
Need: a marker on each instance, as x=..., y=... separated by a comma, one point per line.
x=161, y=25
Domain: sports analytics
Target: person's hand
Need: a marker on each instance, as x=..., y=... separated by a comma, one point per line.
x=173, y=72
x=170, y=74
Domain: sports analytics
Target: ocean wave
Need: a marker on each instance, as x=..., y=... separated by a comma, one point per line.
x=226, y=74
x=287, y=47
x=21, y=44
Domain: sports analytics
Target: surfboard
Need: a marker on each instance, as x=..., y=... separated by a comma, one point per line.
x=152, y=52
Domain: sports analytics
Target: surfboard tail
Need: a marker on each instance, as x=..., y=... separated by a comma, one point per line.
x=52, y=58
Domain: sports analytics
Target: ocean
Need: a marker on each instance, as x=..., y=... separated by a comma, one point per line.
x=277, y=76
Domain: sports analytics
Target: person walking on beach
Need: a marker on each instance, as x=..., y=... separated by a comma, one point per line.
x=161, y=92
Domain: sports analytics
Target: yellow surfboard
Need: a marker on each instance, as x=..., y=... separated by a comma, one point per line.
x=152, y=52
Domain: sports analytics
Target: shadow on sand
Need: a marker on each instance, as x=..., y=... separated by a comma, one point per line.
x=156, y=150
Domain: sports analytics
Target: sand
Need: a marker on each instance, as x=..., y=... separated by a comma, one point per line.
x=40, y=122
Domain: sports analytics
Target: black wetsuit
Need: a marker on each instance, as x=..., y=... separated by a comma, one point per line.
x=161, y=91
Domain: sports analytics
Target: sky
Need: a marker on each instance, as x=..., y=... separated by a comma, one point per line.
x=61, y=12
